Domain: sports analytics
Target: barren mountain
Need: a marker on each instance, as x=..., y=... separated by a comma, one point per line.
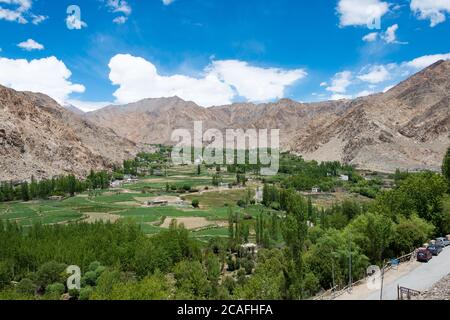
x=406, y=127
x=39, y=137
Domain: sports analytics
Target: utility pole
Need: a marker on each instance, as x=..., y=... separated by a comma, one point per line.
x=350, y=263
x=382, y=282
x=334, y=284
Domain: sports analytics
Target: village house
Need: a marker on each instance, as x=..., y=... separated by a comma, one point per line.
x=315, y=190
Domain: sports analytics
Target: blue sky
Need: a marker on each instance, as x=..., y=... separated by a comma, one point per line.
x=217, y=51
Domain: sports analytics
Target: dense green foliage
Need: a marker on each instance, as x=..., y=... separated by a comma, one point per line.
x=58, y=186
x=301, y=247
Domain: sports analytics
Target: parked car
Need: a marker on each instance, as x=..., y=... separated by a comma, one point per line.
x=435, y=249
x=424, y=255
x=443, y=241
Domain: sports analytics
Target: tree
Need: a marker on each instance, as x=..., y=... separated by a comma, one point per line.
x=373, y=232
x=446, y=168
x=328, y=258
x=50, y=272
x=25, y=191
x=230, y=225
x=410, y=234
x=294, y=232
x=191, y=280
x=268, y=281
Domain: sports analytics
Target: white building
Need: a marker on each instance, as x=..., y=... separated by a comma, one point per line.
x=259, y=195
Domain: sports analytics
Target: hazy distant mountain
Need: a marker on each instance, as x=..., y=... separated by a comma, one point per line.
x=406, y=127
x=39, y=137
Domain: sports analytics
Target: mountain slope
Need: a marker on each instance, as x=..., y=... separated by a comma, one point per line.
x=38, y=137
x=406, y=127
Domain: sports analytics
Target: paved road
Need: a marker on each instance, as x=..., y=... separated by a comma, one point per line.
x=421, y=278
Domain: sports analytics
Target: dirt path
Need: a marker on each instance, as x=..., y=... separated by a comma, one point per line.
x=192, y=223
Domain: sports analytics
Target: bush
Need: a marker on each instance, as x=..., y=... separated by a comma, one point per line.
x=26, y=286
x=49, y=273
x=55, y=289
x=89, y=278
x=241, y=203
x=196, y=203
x=85, y=293
x=94, y=265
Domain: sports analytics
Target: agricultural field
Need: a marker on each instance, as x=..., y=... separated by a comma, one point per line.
x=130, y=203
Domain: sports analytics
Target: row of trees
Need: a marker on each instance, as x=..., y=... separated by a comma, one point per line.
x=57, y=186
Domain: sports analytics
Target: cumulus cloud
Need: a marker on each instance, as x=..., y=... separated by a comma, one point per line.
x=30, y=45
x=221, y=82
x=256, y=84
x=376, y=74
x=371, y=37
x=340, y=82
x=360, y=12
x=47, y=75
x=119, y=6
x=19, y=11
x=120, y=20
x=433, y=10
x=378, y=78
x=364, y=93
x=37, y=19
x=390, y=35
x=338, y=96
x=425, y=61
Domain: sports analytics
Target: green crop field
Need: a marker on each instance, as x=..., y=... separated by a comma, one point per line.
x=128, y=203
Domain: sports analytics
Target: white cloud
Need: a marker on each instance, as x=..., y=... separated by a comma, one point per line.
x=390, y=35
x=388, y=88
x=38, y=19
x=425, y=61
x=360, y=12
x=48, y=75
x=120, y=20
x=378, y=78
x=433, y=10
x=338, y=96
x=340, y=82
x=221, y=82
x=167, y=2
x=323, y=84
x=376, y=74
x=74, y=22
x=371, y=37
x=19, y=11
x=256, y=84
x=30, y=45
x=364, y=93
x=119, y=6
x=88, y=106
